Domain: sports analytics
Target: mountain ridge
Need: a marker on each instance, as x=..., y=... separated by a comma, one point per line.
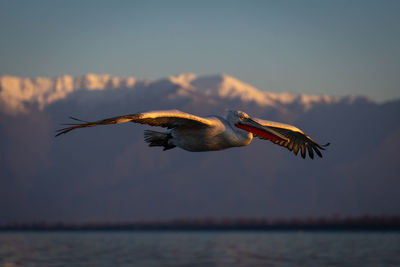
x=17, y=94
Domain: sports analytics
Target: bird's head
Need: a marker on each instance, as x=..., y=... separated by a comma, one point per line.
x=246, y=125
x=241, y=120
x=236, y=116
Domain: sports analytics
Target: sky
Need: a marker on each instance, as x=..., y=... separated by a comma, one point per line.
x=315, y=47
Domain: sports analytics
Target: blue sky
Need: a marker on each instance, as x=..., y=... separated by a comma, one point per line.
x=321, y=47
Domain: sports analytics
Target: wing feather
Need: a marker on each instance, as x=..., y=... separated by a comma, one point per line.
x=296, y=140
x=310, y=151
x=317, y=151
x=163, y=118
x=290, y=146
x=296, y=148
x=303, y=151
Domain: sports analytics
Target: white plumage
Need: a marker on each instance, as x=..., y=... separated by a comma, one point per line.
x=194, y=133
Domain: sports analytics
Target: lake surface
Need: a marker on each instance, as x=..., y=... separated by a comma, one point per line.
x=201, y=248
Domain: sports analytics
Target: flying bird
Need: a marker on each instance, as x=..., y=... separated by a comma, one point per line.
x=194, y=133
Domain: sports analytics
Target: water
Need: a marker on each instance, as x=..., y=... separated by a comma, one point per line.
x=130, y=248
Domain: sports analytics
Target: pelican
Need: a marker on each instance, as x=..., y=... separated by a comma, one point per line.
x=194, y=133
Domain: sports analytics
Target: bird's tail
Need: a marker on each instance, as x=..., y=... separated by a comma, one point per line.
x=158, y=139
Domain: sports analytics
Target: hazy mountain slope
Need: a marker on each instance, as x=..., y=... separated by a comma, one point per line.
x=109, y=173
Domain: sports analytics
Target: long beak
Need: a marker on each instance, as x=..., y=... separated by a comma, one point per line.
x=260, y=130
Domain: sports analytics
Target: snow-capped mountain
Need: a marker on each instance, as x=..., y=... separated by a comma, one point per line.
x=17, y=94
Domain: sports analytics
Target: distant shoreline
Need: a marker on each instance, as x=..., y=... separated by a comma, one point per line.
x=361, y=223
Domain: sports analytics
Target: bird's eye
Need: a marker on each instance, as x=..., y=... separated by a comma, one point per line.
x=242, y=117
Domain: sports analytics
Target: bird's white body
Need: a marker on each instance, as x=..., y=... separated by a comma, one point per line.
x=221, y=135
x=193, y=133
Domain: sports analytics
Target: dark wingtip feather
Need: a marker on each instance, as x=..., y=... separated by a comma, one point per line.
x=73, y=118
x=303, y=151
x=296, y=149
x=64, y=131
x=310, y=151
x=60, y=132
x=322, y=146
x=72, y=126
x=317, y=151
x=326, y=145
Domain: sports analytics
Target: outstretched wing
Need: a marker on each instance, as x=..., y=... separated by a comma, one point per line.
x=162, y=118
x=296, y=140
